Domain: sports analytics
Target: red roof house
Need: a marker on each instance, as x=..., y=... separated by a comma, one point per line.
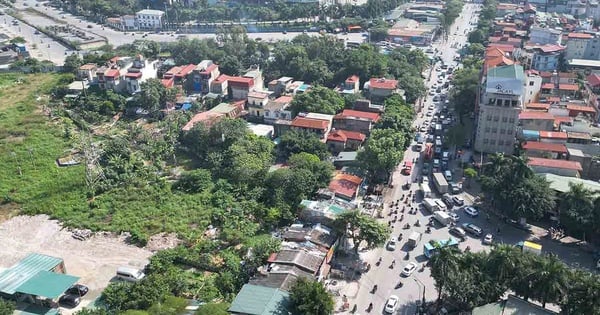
x=345, y=185
x=557, y=167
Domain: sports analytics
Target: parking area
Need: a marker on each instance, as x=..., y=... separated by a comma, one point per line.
x=95, y=260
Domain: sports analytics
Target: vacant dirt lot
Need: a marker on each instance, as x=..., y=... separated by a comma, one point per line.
x=94, y=260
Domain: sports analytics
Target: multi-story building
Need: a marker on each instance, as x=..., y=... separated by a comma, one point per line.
x=545, y=58
x=582, y=46
x=501, y=101
x=149, y=19
x=202, y=76
x=544, y=35
x=381, y=88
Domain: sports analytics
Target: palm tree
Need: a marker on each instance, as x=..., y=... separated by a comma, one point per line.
x=550, y=281
x=443, y=265
x=502, y=263
x=577, y=208
x=583, y=294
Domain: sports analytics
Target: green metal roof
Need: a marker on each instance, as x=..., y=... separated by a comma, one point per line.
x=511, y=72
x=47, y=284
x=12, y=278
x=561, y=183
x=259, y=300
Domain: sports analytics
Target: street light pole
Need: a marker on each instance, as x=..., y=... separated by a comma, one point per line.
x=422, y=308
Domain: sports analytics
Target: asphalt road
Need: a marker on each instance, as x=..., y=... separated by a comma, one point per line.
x=118, y=38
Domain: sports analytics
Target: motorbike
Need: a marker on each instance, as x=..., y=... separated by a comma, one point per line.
x=400, y=237
x=374, y=289
x=417, y=223
x=407, y=256
x=422, y=268
x=399, y=285
x=402, y=217
x=354, y=309
x=378, y=262
x=407, y=226
x=428, y=230
x=370, y=308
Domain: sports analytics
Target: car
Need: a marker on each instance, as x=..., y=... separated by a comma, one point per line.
x=284, y=32
x=391, y=244
x=391, y=305
x=488, y=239
x=432, y=92
x=429, y=114
x=409, y=269
x=458, y=200
x=423, y=129
x=454, y=217
x=69, y=300
x=90, y=26
x=458, y=231
x=431, y=107
x=472, y=212
x=36, y=32
x=77, y=290
x=472, y=228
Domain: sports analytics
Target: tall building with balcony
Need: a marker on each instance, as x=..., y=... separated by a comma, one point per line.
x=501, y=101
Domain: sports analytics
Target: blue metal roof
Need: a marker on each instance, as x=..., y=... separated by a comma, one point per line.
x=15, y=276
x=531, y=134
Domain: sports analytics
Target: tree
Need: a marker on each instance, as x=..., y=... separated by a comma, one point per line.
x=470, y=173
x=18, y=40
x=194, y=181
x=89, y=311
x=213, y=309
x=444, y=264
x=577, y=210
x=154, y=96
x=382, y=153
x=294, y=141
x=72, y=63
x=318, y=100
x=583, y=294
x=6, y=306
x=361, y=228
x=464, y=92
x=311, y=298
x=322, y=170
x=550, y=281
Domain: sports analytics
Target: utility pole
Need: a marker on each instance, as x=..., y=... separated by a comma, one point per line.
x=421, y=309
x=93, y=170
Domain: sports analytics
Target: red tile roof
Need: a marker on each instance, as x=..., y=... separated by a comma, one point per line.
x=568, y=87
x=172, y=72
x=553, y=135
x=352, y=79
x=112, y=73
x=553, y=99
x=383, y=83
x=509, y=29
x=88, y=66
x=350, y=113
x=185, y=70
x=536, y=115
x=544, y=106
x=345, y=135
x=579, y=35
x=564, y=164
x=168, y=83
x=207, y=116
x=581, y=108
x=241, y=82
x=563, y=119
x=284, y=99
x=133, y=75
x=220, y=79
x=209, y=69
x=593, y=79
x=345, y=185
x=309, y=123
x=549, y=86
x=551, y=48
x=504, y=47
x=545, y=146
x=545, y=74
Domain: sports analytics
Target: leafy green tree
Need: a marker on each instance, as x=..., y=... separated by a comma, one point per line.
x=318, y=100
x=583, y=294
x=294, y=141
x=444, y=264
x=550, y=281
x=361, y=228
x=577, y=210
x=213, y=309
x=194, y=181
x=311, y=298
x=247, y=160
x=154, y=96
x=6, y=306
x=72, y=63
x=476, y=49
x=322, y=170
x=382, y=153
x=464, y=92
x=89, y=311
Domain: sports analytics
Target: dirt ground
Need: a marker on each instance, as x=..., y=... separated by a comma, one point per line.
x=94, y=260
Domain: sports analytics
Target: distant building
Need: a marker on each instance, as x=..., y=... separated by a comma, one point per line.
x=381, y=88
x=149, y=19
x=544, y=35
x=556, y=167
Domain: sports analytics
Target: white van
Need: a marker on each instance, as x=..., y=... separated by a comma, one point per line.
x=130, y=274
x=441, y=205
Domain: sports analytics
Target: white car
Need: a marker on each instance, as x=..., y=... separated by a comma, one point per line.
x=429, y=114
x=458, y=200
x=409, y=269
x=471, y=211
x=454, y=217
x=392, y=244
x=431, y=107
x=391, y=305
x=423, y=129
x=488, y=239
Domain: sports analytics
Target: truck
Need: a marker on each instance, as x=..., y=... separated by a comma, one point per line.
x=438, y=129
x=442, y=217
x=430, y=204
x=428, y=152
x=426, y=190
x=531, y=247
x=413, y=239
x=440, y=183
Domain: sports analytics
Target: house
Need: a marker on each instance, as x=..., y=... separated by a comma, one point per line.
x=344, y=159
x=223, y=110
x=220, y=85
x=355, y=120
x=319, y=124
x=536, y=120
x=345, y=186
x=543, y=57
x=381, y=88
x=545, y=150
x=350, y=86
x=256, y=75
x=557, y=167
x=276, y=109
x=260, y=300
x=365, y=105
x=109, y=78
x=322, y=211
x=149, y=19
x=587, y=156
x=513, y=306
x=239, y=87
x=562, y=184
x=579, y=137
x=553, y=137
x=307, y=260
x=262, y=130
x=582, y=46
x=203, y=76
x=258, y=99
x=180, y=74
x=133, y=80
x=280, y=85
x=544, y=35
x=87, y=72
x=576, y=110
x=342, y=140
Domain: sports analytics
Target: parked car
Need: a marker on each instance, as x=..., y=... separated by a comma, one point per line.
x=409, y=269
x=454, y=217
x=472, y=228
x=391, y=305
x=69, y=300
x=458, y=232
x=458, y=200
x=78, y=290
x=472, y=212
x=488, y=239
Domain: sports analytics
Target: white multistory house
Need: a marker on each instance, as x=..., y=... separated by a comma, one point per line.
x=501, y=101
x=150, y=19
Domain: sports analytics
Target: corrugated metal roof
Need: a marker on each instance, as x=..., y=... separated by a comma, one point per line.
x=12, y=278
x=259, y=300
x=47, y=284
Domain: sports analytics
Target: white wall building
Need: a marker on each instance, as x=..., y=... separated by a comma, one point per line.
x=544, y=35
x=150, y=19
x=533, y=85
x=499, y=108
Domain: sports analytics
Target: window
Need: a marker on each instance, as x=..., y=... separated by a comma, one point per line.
x=494, y=130
x=493, y=142
x=496, y=118
x=504, y=119
x=506, y=103
x=530, y=83
x=500, y=142
x=492, y=101
x=502, y=131
x=487, y=129
x=511, y=120
x=498, y=102
x=514, y=103
x=485, y=141
x=488, y=117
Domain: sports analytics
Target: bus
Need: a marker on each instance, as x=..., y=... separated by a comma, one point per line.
x=430, y=248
